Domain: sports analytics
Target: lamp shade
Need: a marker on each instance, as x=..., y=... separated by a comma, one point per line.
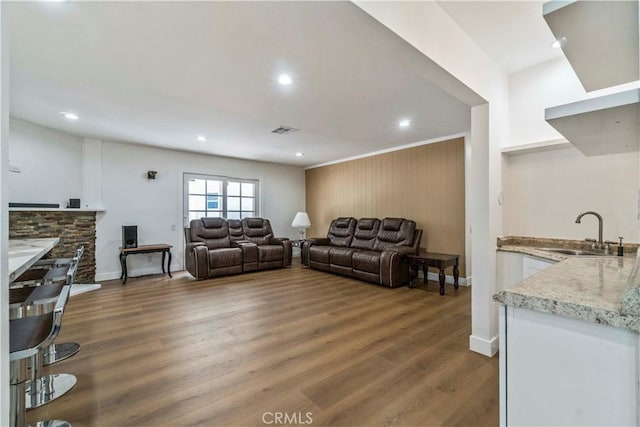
x=301, y=220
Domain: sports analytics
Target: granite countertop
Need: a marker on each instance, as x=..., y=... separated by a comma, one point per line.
x=23, y=253
x=536, y=252
x=598, y=289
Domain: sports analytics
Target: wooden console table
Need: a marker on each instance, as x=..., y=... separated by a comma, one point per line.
x=145, y=249
x=431, y=259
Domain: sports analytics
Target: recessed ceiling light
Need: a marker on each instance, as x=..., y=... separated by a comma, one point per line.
x=299, y=154
x=558, y=43
x=68, y=115
x=284, y=79
x=201, y=138
x=404, y=123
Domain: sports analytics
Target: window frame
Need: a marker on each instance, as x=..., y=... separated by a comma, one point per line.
x=224, y=211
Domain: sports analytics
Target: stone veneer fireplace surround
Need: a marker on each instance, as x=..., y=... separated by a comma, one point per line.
x=72, y=226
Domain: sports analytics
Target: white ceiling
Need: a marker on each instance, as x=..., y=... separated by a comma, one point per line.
x=513, y=33
x=159, y=73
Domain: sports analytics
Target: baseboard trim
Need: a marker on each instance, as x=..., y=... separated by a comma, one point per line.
x=78, y=288
x=483, y=346
x=113, y=275
x=462, y=281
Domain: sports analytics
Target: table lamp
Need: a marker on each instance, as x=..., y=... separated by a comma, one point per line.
x=302, y=222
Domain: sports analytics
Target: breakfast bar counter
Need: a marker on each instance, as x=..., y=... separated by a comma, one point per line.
x=23, y=253
x=602, y=290
x=570, y=342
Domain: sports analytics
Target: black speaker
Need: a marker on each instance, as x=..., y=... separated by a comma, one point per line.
x=74, y=203
x=129, y=236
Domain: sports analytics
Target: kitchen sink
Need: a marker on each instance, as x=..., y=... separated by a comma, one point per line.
x=578, y=252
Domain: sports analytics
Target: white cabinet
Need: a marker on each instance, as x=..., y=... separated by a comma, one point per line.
x=566, y=372
x=513, y=267
x=531, y=265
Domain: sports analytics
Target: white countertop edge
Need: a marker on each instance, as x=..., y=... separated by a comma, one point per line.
x=33, y=257
x=625, y=316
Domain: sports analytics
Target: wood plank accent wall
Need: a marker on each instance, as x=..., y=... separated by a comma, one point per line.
x=424, y=183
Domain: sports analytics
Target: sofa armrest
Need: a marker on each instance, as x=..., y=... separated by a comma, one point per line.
x=196, y=259
x=306, y=245
x=192, y=245
x=393, y=270
x=278, y=240
x=317, y=241
x=288, y=249
x=402, y=250
x=288, y=252
x=249, y=254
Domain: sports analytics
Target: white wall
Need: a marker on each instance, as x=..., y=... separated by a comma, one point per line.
x=549, y=84
x=430, y=30
x=545, y=191
x=50, y=164
x=155, y=206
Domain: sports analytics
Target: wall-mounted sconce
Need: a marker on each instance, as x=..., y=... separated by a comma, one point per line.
x=151, y=174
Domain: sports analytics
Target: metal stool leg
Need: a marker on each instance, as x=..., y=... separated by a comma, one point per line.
x=57, y=352
x=41, y=390
x=28, y=337
x=50, y=423
x=17, y=377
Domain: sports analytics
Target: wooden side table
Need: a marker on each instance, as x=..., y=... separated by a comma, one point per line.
x=145, y=249
x=432, y=259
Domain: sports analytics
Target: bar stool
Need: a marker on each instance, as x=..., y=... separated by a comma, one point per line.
x=28, y=336
x=58, y=351
x=37, y=276
x=60, y=262
x=47, y=271
x=41, y=298
x=42, y=389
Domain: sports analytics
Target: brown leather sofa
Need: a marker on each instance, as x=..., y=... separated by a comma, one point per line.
x=367, y=249
x=219, y=247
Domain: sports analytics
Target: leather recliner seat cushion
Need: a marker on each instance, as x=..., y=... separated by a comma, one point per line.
x=225, y=257
x=341, y=256
x=268, y=253
x=319, y=254
x=368, y=261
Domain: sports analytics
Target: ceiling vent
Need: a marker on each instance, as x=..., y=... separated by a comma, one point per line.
x=282, y=130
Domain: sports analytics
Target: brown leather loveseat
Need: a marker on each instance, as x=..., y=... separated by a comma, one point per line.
x=368, y=249
x=219, y=247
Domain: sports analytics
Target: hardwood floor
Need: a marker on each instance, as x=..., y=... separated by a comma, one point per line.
x=238, y=350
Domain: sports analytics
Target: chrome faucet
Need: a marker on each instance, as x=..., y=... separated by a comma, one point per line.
x=600, y=244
